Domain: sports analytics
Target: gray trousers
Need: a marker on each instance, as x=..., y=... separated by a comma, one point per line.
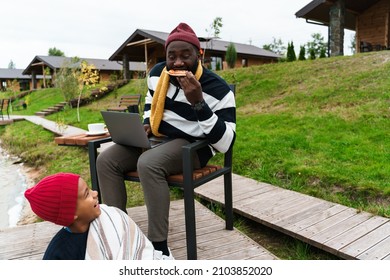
x=153, y=166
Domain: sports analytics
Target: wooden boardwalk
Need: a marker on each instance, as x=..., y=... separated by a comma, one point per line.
x=339, y=230
x=214, y=242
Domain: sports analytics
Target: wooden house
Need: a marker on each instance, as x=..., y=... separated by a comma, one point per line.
x=370, y=19
x=53, y=64
x=148, y=46
x=15, y=80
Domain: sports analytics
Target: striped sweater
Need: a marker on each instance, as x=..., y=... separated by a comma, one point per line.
x=216, y=122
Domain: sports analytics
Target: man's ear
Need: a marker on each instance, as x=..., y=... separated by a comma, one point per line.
x=75, y=217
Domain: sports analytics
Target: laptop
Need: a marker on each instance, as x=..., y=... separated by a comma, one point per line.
x=127, y=129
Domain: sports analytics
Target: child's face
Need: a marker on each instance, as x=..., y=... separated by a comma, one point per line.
x=87, y=203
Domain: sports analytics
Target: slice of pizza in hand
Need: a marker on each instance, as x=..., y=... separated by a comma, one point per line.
x=177, y=73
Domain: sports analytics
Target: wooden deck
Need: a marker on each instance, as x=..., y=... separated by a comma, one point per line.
x=342, y=231
x=214, y=242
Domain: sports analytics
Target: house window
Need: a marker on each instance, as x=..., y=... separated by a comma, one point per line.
x=244, y=62
x=216, y=63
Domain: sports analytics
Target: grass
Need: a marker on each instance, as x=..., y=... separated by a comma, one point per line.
x=317, y=127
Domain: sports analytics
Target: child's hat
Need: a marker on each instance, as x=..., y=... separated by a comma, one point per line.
x=183, y=32
x=54, y=198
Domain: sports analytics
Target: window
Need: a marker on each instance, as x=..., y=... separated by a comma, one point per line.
x=216, y=63
x=244, y=62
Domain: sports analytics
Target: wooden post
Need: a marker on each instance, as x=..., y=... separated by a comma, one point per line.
x=336, y=28
x=34, y=79
x=146, y=57
x=126, y=69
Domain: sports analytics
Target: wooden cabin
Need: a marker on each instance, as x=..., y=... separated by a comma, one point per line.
x=148, y=46
x=105, y=67
x=370, y=19
x=15, y=80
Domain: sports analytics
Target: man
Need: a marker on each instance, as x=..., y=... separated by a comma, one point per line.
x=198, y=105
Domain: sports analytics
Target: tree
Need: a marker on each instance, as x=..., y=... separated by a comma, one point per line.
x=276, y=46
x=323, y=53
x=215, y=29
x=66, y=79
x=87, y=76
x=73, y=77
x=55, y=52
x=302, y=53
x=11, y=65
x=317, y=45
x=231, y=55
x=312, y=54
x=291, y=52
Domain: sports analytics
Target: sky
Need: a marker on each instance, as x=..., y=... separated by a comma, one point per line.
x=97, y=28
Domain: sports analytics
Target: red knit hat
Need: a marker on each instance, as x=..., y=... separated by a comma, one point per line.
x=183, y=32
x=54, y=198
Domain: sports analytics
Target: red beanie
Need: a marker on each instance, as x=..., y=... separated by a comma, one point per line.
x=183, y=32
x=54, y=198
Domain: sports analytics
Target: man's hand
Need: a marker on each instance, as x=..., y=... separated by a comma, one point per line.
x=191, y=87
x=148, y=130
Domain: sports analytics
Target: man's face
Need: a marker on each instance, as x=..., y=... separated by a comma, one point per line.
x=87, y=203
x=181, y=55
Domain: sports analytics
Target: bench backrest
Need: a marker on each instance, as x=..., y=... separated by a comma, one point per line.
x=131, y=102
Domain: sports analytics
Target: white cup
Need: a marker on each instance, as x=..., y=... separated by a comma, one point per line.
x=96, y=127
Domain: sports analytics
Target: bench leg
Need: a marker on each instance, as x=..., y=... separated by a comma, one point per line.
x=189, y=210
x=92, y=152
x=228, y=200
x=189, y=205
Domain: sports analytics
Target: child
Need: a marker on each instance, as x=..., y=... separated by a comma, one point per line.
x=91, y=230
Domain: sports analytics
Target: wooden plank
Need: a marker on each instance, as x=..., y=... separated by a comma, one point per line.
x=367, y=241
x=290, y=220
x=316, y=217
x=26, y=242
x=327, y=223
x=339, y=228
x=378, y=252
x=290, y=204
x=270, y=205
x=355, y=233
x=241, y=188
x=266, y=198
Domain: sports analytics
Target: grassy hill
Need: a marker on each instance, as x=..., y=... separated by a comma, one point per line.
x=317, y=127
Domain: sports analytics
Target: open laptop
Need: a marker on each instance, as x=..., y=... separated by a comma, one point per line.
x=127, y=129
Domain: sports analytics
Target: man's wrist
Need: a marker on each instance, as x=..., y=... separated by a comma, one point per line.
x=199, y=105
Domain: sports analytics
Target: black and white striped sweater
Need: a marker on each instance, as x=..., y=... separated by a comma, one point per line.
x=216, y=122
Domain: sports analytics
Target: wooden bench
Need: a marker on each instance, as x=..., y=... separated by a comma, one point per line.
x=188, y=181
x=128, y=103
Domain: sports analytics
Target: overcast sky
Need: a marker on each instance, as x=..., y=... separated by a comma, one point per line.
x=97, y=28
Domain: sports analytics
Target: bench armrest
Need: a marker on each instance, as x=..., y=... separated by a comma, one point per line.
x=188, y=153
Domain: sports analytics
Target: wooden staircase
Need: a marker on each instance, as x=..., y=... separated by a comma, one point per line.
x=53, y=109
